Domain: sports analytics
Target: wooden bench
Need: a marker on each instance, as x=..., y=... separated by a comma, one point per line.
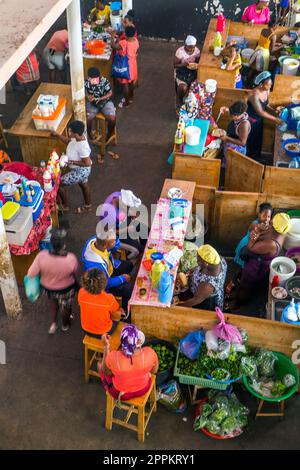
x=94, y=350
x=135, y=406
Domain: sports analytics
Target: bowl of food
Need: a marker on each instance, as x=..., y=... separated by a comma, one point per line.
x=218, y=133
x=293, y=287
x=291, y=147
x=279, y=293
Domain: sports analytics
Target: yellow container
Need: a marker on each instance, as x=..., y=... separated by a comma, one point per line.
x=10, y=211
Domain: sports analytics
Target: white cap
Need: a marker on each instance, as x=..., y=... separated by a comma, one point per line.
x=191, y=41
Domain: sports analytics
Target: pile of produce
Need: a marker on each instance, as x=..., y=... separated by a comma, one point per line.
x=217, y=359
x=189, y=259
x=222, y=415
x=260, y=369
x=166, y=357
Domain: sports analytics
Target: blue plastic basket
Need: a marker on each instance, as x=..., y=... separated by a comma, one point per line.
x=224, y=382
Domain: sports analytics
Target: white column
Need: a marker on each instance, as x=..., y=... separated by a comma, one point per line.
x=126, y=6
x=8, y=283
x=76, y=60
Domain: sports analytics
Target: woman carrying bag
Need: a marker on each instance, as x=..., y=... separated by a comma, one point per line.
x=124, y=66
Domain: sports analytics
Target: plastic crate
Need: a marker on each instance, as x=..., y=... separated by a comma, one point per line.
x=51, y=123
x=37, y=203
x=199, y=381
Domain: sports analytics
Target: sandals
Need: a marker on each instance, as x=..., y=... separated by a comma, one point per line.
x=83, y=209
x=113, y=155
x=123, y=105
x=62, y=209
x=100, y=159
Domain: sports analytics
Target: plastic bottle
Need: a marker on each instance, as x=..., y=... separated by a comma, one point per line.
x=221, y=22
x=275, y=282
x=294, y=163
x=17, y=195
x=217, y=40
x=291, y=312
x=28, y=196
x=156, y=271
x=43, y=165
x=47, y=181
x=165, y=288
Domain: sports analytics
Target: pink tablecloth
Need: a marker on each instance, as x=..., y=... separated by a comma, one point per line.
x=40, y=226
x=163, y=239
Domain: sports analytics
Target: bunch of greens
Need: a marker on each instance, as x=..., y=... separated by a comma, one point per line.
x=189, y=259
x=166, y=357
x=208, y=363
x=222, y=415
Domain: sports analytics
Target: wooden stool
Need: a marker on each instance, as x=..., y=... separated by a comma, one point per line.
x=136, y=406
x=261, y=404
x=101, y=130
x=96, y=347
x=2, y=135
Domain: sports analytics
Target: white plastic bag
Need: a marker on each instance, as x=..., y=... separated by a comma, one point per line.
x=211, y=341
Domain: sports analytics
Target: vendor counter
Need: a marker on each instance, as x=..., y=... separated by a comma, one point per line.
x=210, y=66
x=175, y=322
x=36, y=145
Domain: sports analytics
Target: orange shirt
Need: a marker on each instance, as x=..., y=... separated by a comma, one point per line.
x=96, y=310
x=133, y=377
x=58, y=41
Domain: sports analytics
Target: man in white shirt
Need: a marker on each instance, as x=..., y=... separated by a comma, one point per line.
x=78, y=152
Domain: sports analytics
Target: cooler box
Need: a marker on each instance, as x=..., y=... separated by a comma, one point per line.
x=10, y=212
x=17, y=232
x=36, y=204
x=51, y=123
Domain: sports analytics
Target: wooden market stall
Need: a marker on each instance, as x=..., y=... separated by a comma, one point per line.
x=36, y=144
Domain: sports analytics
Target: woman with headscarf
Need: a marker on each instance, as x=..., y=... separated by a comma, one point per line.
x=258, y=110
x=257, y=13
x=265, y=243
x=126, y=373
x=59, y=278
x=185, y=65
x=206, y=279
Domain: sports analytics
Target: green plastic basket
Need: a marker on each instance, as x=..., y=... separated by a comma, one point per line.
x=199, y=381
x=283, y=366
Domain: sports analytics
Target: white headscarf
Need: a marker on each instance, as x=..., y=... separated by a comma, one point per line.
x=190, y=41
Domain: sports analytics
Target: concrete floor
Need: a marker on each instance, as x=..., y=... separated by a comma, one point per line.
x=45, y=403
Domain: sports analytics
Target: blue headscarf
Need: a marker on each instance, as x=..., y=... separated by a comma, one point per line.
x=262, y=77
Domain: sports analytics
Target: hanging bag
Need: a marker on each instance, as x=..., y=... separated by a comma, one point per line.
x=120, y=66
x=32, y=287
x=226, y=331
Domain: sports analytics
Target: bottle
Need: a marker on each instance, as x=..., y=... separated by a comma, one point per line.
x=32, y=191
x=275, y=282
x=21, y=191
x=43, y=165
x=178, y=141
x=294, y=163
x=17, y=195
x=47, y=181
x=156, y=271
x=221, y=22
x=291, y=312
x=217, y=40
x=28, y=196
x=23, y=183
x=165, y=288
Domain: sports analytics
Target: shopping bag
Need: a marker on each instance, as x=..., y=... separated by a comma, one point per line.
x=32, y=287
x=120, y=67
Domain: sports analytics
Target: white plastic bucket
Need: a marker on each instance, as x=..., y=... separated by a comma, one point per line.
x=288, y=266
x=116, y=22
x=211, y=85
x=192, y=135
x=292, y=239
x=290, y=67
x=246, y=56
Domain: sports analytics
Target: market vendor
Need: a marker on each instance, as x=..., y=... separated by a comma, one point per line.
x=98, y=253
x=54, y=55
x=258, y=110
x=99, y=100
x=238, y=129
x=257, y=13
x=206, y=279
x=117, y=214
x=265, y=244
x=79, y=162
x=185, y=65
x=234, y=63
x=126, y=373
x=100, y=14
x=267, y=46
x=100, y=312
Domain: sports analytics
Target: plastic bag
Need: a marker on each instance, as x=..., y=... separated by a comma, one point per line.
x=211, y=341
x=289, y=380
x=226, y=331
x=239, y=348
x=248, y=367
x=200, y=422
x=244, y=335
x=224, y=350
x=190, y=344
x=170, y=395
x=213, y=427
x=265, y=362
x=32, y=287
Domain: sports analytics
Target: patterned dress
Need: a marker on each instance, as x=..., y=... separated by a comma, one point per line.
x=217, y=282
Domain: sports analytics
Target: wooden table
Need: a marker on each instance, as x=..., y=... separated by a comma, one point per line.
x=37, y=145
x=279, y=153
x=102, y=64
x=188, y=188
